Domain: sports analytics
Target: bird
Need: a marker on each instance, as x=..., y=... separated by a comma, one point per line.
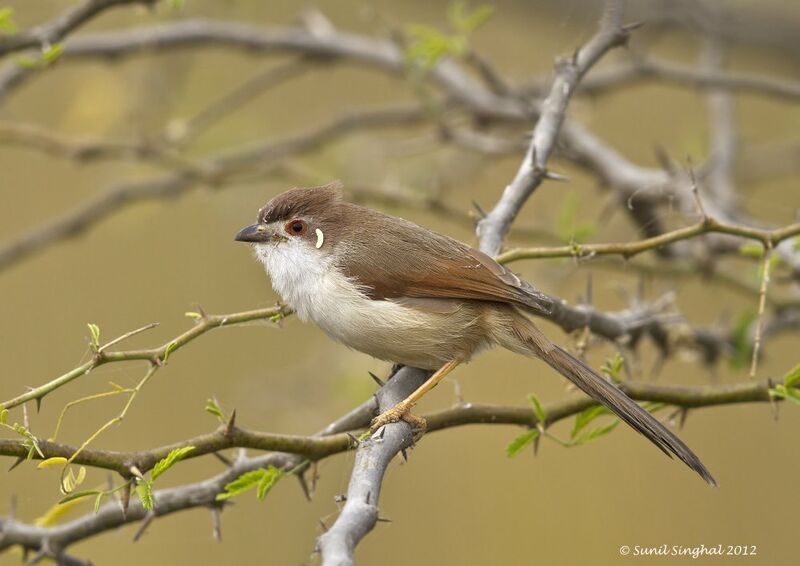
x=400, y=292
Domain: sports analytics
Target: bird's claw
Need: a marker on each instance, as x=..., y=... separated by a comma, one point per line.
x=399, y=412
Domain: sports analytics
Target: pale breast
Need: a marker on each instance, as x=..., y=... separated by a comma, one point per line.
x=387, y=330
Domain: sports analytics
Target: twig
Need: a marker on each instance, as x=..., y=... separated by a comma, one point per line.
x=629, y=249
x=217, y=170
x=182, y=132
x=155, y=356
x=55, y=30
x=643, y=68
x=86, y=149
x=762, y=301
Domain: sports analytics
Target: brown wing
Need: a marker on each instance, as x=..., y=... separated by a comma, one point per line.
x=437, y=267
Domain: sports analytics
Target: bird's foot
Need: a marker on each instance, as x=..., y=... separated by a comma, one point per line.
x=400, y=412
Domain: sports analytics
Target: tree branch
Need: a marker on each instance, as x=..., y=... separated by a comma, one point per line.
x=643, y=68
x=361, y=512
x=769, y=238
x=533, y=170
x=373, y=455
x=56, y=29
x=156, y=356
x=217, y=170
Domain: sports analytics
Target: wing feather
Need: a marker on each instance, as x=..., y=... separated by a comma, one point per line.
x=439, y=267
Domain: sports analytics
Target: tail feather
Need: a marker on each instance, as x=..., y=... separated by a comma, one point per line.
x=605, y=392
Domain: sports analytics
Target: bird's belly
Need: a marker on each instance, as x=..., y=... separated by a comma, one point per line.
x=389, y=331
x=386, y=330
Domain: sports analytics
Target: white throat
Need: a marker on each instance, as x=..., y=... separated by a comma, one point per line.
x=300, y=275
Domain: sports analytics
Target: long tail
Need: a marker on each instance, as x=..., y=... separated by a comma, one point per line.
x=605, y=392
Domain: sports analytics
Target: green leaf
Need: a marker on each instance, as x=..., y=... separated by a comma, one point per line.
x=79, y=495
x=522, y=441
x=751, y=249
x=212, y=406
x=49, y=55
x=613, y=367
x=54, y=461
x=3, y=416
x=241, y=484
x=782, y=392
x=70, y=480
x=792, y=378
x=567, y=226
x=428, y=46
x=52, y=52
x=79, y=479
x=30, y=441
x=170, y=460
x=94, y=331
x=7, y=24
x=740, y=339
x=28, y=63
x=144, y=490
x=268, y=480
x=586, y=416
x=538, y=409
x=653, y=406
x=97, y=501
x=168, y=350
x=595, y=433
x=465, y=21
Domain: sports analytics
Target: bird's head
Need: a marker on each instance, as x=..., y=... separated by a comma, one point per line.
x=303, y=220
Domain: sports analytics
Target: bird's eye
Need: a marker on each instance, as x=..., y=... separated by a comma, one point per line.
x=296, y=227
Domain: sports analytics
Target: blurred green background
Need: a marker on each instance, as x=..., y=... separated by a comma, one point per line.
x=459, y=500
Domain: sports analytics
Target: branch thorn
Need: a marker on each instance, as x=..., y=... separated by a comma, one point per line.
x=547, y=174
x=231, y=424
x=301, y=477
x=216, y=522
x=148, y=518
x=125, y=498
x=223, y=459
x=16, y=463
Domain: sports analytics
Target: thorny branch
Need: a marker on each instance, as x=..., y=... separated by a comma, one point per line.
x=156, y=356
x=769, y=238
x=533, y=170
x=373, y=456
x=333, y=439
x=643, y=68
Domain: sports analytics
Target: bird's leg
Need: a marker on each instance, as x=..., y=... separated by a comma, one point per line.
x=401, y=411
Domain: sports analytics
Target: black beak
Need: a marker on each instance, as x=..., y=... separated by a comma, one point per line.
x=254, y=233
